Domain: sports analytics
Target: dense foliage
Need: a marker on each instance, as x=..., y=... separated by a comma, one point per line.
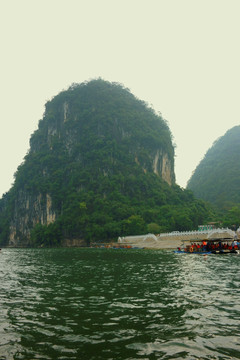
x=217, y=177
x=92, y=153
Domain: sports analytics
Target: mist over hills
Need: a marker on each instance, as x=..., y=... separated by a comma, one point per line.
x=100, y=165
x=217, y=177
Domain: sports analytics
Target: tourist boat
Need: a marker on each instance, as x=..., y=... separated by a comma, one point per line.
x=219, y=246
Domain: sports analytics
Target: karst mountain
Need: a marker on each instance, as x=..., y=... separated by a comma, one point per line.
x=100, y=165
x=217, y=177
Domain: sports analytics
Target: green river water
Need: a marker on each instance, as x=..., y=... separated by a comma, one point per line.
x=118, y=304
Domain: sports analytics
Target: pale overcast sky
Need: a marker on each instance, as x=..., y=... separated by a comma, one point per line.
x=181, y=56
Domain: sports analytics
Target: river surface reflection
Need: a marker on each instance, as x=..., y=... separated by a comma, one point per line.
x=118, y=304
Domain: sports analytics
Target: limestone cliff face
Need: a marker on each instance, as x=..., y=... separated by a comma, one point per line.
x=162, y=166
x=29, y=210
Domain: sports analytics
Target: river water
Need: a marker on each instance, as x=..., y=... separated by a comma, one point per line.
x=118, y=304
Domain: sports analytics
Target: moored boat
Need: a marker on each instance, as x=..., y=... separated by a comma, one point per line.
x=219, y=246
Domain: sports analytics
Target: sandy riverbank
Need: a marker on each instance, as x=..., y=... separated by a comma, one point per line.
x=160, y=244
x=172, y=241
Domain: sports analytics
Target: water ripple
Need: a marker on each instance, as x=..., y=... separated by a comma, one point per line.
x=106, y=304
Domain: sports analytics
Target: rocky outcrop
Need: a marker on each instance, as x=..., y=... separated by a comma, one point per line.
x=162, y=166
x=74, y=243
x=29, y=210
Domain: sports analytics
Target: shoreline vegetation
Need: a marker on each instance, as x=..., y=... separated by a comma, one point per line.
x=163, y=244
x=168, y=241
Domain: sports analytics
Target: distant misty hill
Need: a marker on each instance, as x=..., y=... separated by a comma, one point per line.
x=217, y=177
x=100, y=165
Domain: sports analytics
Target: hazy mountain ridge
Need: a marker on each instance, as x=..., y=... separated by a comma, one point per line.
x=217, y=177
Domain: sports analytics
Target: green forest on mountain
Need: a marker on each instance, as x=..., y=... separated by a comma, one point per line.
x=217, y=177
x=95, y=161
